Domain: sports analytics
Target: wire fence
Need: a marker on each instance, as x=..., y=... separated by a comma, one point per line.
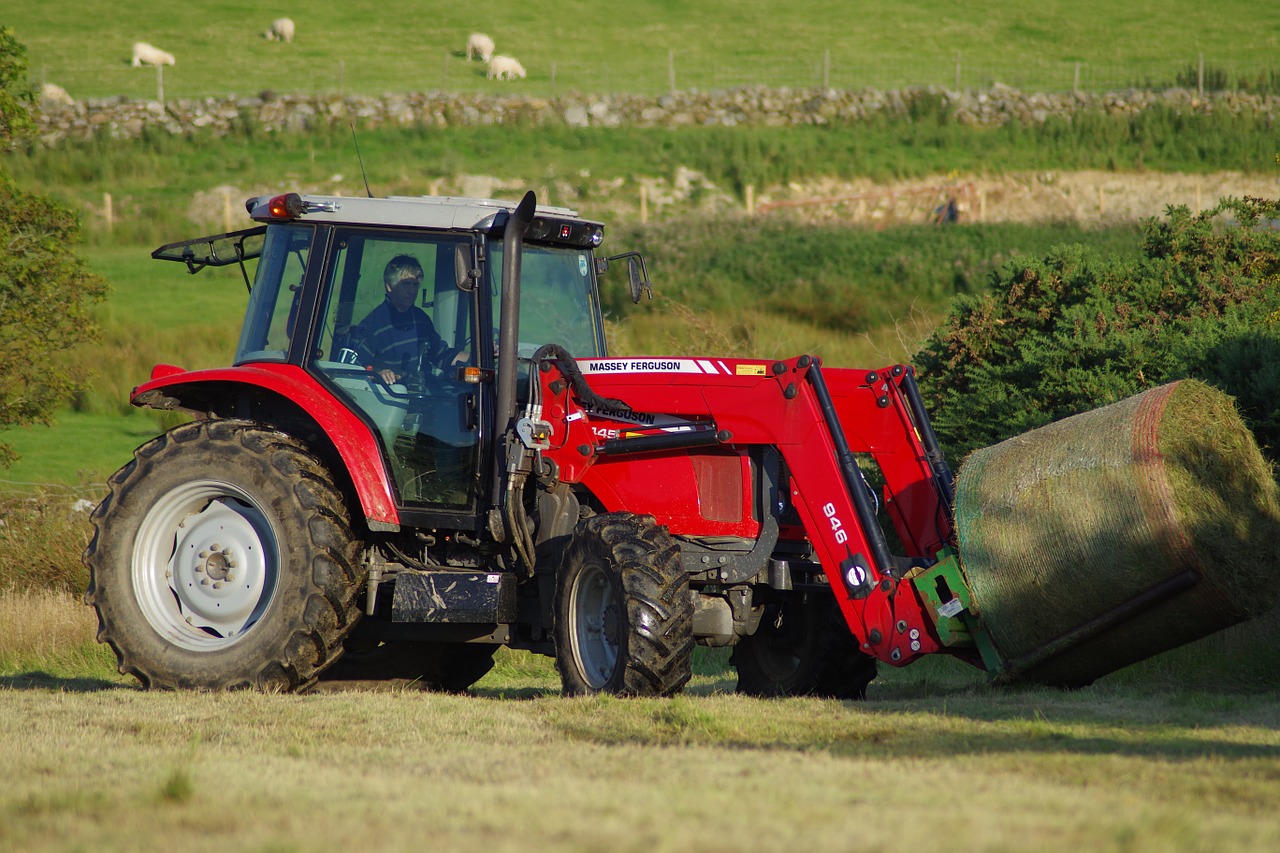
x=82, y=497
x=657, y=75
x=955, y=73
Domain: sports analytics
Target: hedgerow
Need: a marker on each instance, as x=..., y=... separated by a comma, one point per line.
x=1075, y=330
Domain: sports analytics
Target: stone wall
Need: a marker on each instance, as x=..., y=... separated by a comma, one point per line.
x=748, y=107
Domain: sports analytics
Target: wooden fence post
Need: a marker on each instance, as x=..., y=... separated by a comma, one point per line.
x=107, y=213
x=751, y=200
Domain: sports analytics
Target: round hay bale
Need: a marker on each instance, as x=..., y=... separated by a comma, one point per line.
x=1108, y=537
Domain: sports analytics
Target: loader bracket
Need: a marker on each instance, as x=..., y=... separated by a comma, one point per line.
x=956, y=618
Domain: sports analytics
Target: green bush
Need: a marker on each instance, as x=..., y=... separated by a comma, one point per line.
x=1076, y=330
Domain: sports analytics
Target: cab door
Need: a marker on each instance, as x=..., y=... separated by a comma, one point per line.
x=427, y=418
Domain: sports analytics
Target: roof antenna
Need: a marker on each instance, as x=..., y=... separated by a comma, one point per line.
x=361, y=159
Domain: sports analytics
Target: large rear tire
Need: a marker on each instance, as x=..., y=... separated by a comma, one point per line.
x=223, y=558
x=624, y=618
x=803, y=648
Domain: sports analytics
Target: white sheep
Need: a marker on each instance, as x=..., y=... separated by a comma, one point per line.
x=479, y=44
x=52, y=93
x=505, y=68
x=281, y=30
x=145, y=54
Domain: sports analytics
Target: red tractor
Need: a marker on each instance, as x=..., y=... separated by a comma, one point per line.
x=335, y=512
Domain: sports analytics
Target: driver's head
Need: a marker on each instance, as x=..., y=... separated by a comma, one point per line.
x=402, y=277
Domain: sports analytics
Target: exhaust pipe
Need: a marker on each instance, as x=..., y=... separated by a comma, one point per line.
x=509, y=331
x=513, y=232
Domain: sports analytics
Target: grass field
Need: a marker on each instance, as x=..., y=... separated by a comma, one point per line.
x=730, y=287
x=362, y=46
x=1178, y=753
x=931, y=758
x=160, y=185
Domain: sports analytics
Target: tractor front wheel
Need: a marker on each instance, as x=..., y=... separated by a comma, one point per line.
x=223, y=558
x=623, y=615
x=803, y=648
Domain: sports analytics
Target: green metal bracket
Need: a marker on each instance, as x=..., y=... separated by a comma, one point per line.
x=948, y=599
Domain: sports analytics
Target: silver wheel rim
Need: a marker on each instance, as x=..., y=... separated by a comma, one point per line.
x=596, y=626
x=205, y=565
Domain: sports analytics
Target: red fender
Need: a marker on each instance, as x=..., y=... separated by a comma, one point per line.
x=354, y=441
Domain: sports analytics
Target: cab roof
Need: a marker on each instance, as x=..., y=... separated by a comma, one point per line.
x=408, y=211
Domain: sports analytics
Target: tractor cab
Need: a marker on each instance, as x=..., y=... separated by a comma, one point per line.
x=414, y=358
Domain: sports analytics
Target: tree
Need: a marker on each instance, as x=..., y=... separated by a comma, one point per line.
x=45, y=288
x=1074, y=331
x=16, y=96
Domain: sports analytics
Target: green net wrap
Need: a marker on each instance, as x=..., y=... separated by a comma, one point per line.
x=1111, y=536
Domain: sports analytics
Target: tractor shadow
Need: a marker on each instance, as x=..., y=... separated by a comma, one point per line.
x=39, y=680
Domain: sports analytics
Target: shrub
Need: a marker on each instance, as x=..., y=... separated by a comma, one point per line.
x=42, y=536
x=1073, y=330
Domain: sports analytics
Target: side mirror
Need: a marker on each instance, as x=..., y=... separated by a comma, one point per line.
x=638, y=278
x=637, y=273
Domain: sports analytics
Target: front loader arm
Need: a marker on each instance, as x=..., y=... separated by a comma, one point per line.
x=817, y=421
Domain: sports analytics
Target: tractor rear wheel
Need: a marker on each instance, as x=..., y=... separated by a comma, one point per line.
x=223, y=558
x=452, y=667
x=623, y=615
x=803, y=648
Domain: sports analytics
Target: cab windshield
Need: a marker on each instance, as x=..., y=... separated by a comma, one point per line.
x=558, y=299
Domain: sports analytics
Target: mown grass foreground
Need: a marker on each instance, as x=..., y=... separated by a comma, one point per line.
x=92, y=764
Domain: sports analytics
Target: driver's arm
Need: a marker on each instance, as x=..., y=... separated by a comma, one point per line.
x=435, y=351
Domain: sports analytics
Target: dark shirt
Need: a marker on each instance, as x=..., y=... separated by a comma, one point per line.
x=401, y=341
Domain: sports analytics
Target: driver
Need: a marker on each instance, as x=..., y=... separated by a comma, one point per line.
x=397, y=338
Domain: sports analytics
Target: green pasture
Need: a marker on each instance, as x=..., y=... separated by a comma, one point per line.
x=1181, y=752
x=371, y=48
x=855, y=297
x=160, y=185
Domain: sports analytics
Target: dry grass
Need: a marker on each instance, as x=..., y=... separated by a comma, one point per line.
x=43, y=624
x=677, y=329
x=102, y=766
x=92, y=762
x=42, y=536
